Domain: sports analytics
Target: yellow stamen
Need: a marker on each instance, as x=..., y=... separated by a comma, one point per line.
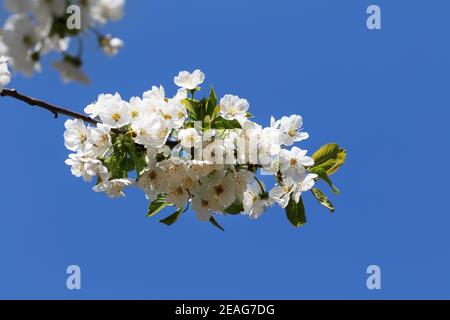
x=116, y=116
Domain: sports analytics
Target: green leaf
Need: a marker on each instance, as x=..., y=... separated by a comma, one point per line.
x=329, y=157
x=117, y=164
x=212, y=103
x=235, y=208
x=215, y=223
x=170, y=220
x=137, y=156
x=221, y=123
x=202, y=106
x=156, y=206
x=207, y=122
x=323, y=175
x=248, y=115
x=216, y=112
x=323, y=199
x=127, y=165
x=295, y=213
x=193, y=108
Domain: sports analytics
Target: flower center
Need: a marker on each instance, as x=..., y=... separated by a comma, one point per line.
x=219, y=190
x=134, y=114
x=232, y=111
x=83, y=137
x=292, y=132
x=162, y=133
x=116, y=116
x=293, y=162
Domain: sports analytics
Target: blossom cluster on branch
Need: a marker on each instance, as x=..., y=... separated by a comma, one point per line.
x=202, y=153
x=38, y=27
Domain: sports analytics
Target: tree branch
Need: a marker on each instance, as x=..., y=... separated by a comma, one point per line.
x=12, y=93
x=47, y=106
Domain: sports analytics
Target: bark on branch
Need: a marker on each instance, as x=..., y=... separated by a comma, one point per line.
x=56, y=110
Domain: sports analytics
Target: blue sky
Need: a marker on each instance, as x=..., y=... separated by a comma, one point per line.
x=383, y=95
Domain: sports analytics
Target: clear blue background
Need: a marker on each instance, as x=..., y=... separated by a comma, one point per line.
x=383, y=95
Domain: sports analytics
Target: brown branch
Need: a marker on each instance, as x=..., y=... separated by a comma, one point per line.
x=12, y=93
x=45, y=105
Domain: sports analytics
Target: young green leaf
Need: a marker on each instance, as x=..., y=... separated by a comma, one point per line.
x=212, y=103
x=323, y=199
x=330, y=158
x=193, y=108
x=207, y=122
x=202, y=107
x=221, y=123
x=235, y=208
x=137, y=156
x=172, y=218
x=323, y=175
x=295, y=213
x=156, y=206
x=216, y=112
x=215, y=223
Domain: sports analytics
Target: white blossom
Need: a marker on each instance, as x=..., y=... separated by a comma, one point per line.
x=157, y=94
x=290, y=129
x=241, y=179
x=137, y=110
x=151, y=131
x=224, y=192
x=197, y=169
x=255, y=201
x=84, y=166
x=75, y=136
x=233, y=107
x=174, y=113
x=177, y=195
x=153, y=181
x=115, y=114
x=99, y=139
x=114, y=188
x=204, y=204
x=175, y=170
x=304, y=185
x=94, y=109
x=188, y=137
x=189, y=81
x=20, y=38
x=293, y=163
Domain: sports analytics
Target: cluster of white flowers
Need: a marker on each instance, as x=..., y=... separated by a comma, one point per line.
x=185, y=152
x=38, y=27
